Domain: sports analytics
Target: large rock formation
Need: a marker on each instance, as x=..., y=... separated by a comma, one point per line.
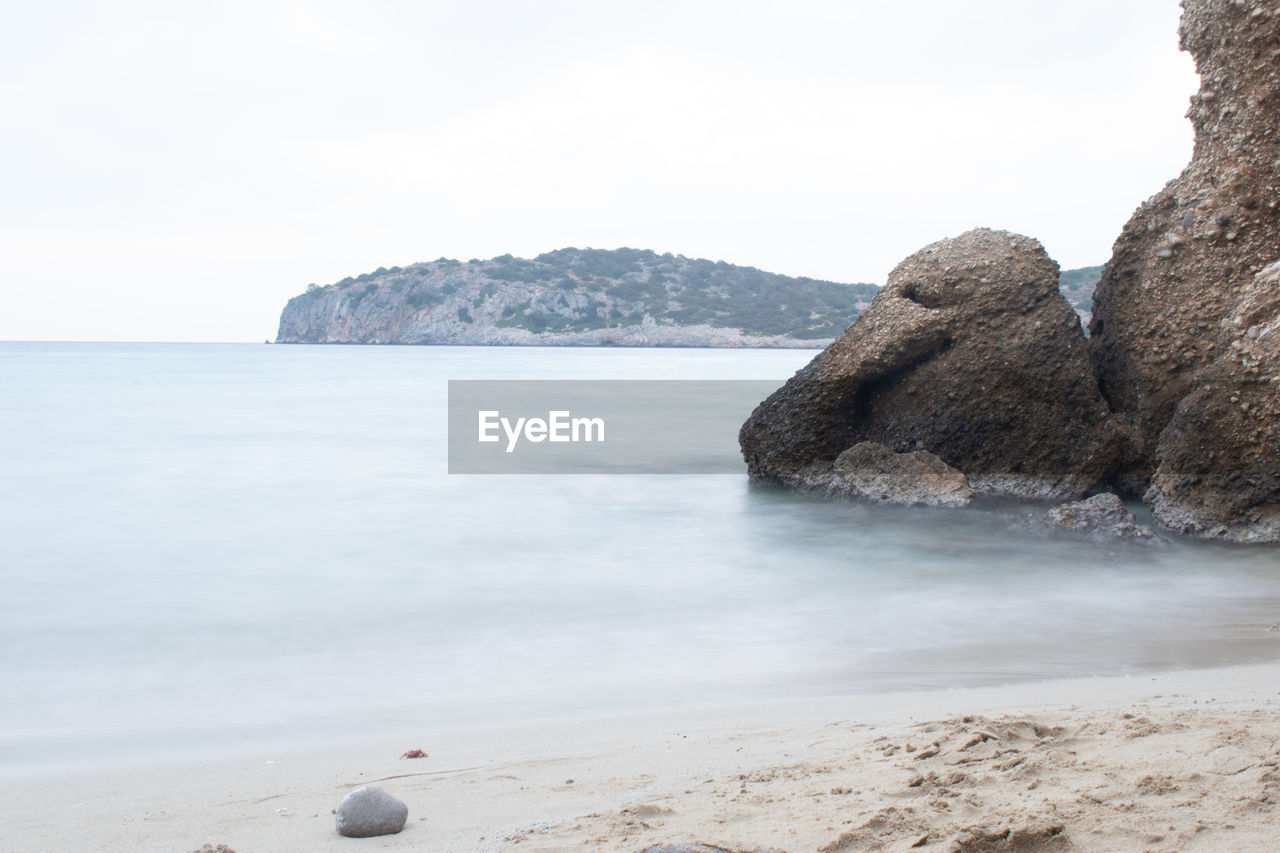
x=968, y=352
x=1186, y=256
x=965, y=354
x=1219, y=457
x=1181, y=330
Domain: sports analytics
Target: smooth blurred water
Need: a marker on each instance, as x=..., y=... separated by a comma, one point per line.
x=212, y=545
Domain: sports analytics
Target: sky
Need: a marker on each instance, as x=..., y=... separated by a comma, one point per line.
x=177, y=171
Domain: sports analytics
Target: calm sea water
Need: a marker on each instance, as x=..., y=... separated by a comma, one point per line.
x=206, y=546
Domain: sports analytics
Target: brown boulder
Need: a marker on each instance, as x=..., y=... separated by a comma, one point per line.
x=968, y=352
x=1187, y=255
x=1219, y=457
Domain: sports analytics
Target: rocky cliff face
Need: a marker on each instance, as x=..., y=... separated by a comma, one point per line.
x=1187, y=314
x=969, y=352
x=1218, y=471
x=573, y=297
x=1187, y=255
x=1185, y=343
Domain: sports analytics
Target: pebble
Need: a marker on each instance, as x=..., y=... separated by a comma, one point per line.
x=369, y=811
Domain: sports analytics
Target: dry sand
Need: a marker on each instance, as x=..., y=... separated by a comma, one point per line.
x=1178, y=761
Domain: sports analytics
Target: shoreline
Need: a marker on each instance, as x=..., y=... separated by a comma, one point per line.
x=1051, y=760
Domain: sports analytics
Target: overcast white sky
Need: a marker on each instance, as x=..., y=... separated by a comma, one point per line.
x=177, y=171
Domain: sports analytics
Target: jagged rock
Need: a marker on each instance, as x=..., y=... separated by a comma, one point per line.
x=870, y=470
x=968, y=352
x=1219, y=457
x=369, y=811
x=1101, y=516
x=1187, y=255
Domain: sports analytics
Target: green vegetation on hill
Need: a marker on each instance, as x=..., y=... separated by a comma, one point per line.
x=585, y=289
x=1079, y=278
x=1077, y=286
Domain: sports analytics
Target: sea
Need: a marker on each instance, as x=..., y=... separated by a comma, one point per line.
x=213, y=547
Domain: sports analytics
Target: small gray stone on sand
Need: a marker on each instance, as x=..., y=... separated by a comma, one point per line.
x=368, y=811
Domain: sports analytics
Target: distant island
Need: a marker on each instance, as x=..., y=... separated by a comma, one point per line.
x=588, y=297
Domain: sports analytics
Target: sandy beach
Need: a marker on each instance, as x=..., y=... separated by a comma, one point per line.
x=1177, y=761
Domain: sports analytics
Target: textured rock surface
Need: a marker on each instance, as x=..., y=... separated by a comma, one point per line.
x=369, y=811
x=872, y=471
x=1102, y=515
x=1219, y=457
x=1187, y=255
x=968, y=352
